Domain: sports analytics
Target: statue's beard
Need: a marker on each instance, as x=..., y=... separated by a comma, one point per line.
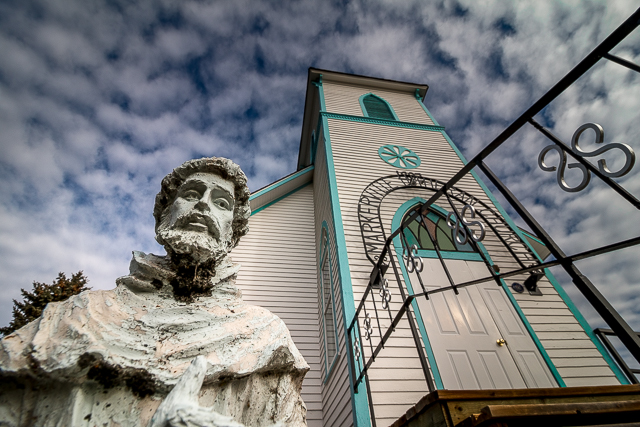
x=201, y=246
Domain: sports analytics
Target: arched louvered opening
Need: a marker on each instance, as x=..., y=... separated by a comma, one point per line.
x=377, y=108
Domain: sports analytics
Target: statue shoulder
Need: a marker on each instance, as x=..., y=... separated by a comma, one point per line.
x=62, y=328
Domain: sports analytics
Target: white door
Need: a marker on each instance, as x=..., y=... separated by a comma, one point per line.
x=464, y=331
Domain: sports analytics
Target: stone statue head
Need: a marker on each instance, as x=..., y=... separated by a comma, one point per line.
x=202, y=209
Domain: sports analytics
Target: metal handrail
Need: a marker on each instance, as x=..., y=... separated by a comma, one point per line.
x=629, y=372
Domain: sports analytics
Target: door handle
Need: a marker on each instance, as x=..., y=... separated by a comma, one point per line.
x=501, y=342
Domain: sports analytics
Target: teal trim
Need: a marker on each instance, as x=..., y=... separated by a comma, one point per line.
x=532, y=237
x=587, y=328
x=435, y=122
x=359, y=400
x=574, y=310
x=397, y=244
x=364, y=109
x=323, y=107
x=280, y=198
x=325, y=244
x=381, y=122
x=467, y=256
x=543, y=352
x=314, y=146
x=279, y=183
x=319, y=82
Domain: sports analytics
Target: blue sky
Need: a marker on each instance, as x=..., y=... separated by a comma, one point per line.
x=100, y=99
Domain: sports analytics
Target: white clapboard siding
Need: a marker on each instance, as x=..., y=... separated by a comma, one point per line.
x=279, y=273
x=344, y=99
x=336, y=393
x=355, y=152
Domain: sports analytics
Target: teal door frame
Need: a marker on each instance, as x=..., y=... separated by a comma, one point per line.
x=396, y=222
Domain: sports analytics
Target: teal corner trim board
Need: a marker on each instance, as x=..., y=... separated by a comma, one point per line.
x=435, y=122
x=572, y=307
x=364, y=109
x=359, y=400
x=393, y=123
x=397, y=244
x=532, y=237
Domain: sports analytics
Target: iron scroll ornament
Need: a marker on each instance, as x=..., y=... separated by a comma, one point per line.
x=412, y=260
x=630, y=158
x=461, y=231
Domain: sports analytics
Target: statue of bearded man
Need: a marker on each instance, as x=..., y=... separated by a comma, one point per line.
x=173, y=344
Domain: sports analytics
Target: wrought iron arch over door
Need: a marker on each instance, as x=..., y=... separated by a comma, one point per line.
x=473, y=218
x=374, y=233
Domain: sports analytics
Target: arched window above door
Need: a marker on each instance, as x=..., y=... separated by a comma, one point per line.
x=377, y=108
x=425, y=229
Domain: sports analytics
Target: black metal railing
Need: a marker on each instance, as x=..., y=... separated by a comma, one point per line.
x=604, y=335
x=387, y=301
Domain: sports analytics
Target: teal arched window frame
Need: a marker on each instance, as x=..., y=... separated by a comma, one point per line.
x=397, y=243
x=325, y=260
x=427, y=253
x=366, y=113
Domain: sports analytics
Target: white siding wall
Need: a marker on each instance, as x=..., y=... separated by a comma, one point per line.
x=336, y=393
x=355, y=147
x=278, y=272
x=344, y=99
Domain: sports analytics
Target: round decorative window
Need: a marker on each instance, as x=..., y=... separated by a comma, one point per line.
x=399, y=156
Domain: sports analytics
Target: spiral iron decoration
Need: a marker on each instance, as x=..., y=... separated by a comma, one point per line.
x=368, y=330
x=412, y=260
x=630, y=158
x=385, y=294
x=462, y=237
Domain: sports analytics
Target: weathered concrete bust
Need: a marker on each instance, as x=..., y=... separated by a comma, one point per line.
x=173, y=344
x=201, y=212
x=207, y=187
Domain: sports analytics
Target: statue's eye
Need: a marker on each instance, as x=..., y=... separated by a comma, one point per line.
x=223, y=203
x=191, y=195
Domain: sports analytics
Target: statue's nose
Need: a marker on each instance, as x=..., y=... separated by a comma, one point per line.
x=202, y=205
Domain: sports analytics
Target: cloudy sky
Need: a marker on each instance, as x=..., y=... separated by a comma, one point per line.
x=100, y=99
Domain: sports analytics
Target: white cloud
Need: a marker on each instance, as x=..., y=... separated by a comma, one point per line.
x=99, y=101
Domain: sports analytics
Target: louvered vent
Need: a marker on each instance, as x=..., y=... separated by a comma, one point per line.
x=377, y=108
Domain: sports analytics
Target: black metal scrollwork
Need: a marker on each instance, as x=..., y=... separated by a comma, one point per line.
x=412, y=260
x=385, y=294
x=630, y=158
x=368, y=330
x=461, y=231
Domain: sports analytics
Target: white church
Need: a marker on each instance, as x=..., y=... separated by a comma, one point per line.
x=370, y=154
